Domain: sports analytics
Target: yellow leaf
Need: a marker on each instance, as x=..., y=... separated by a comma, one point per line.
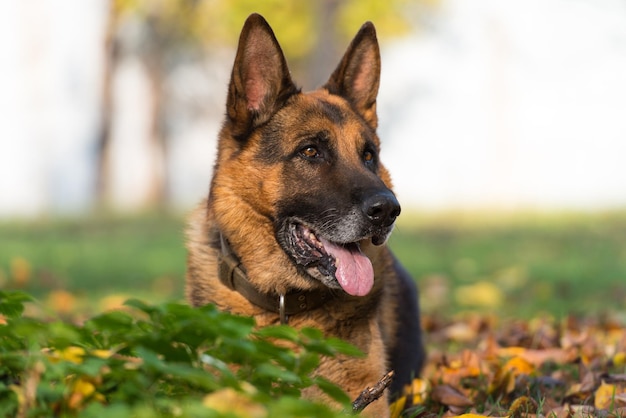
x=84, y=387
x=518, y=366
x=19, y=392
x=482, y=294
x=619, y=359
x=113, y=302
x=522, y=407
x=103, y=354
x=605, y=396
x=511, y=351
x=418, y=390
x=230, y=401
x=73, y=354
x=396, y=408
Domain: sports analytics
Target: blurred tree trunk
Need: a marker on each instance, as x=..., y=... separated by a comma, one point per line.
x=157, y=195
x=151, y=57
x=325, y=53
x=106, y=109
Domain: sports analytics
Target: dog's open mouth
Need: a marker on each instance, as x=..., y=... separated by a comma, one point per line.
x=342, y=264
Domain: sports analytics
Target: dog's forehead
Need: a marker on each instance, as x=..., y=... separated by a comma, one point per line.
x=322, y=111
x=331, y=106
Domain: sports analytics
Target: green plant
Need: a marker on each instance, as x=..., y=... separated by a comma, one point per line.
x=163, y=360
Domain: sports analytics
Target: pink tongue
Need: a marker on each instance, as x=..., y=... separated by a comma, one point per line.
x=354, y=270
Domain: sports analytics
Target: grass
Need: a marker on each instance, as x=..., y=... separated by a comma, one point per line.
x=95, y=258
x=513, y=265
x=559, y=264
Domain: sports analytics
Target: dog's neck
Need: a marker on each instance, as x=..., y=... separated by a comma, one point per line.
x=233, y=275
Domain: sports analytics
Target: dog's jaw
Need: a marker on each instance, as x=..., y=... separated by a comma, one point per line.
x=336, y=265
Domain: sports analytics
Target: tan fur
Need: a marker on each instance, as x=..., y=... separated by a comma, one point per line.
x=253, y=182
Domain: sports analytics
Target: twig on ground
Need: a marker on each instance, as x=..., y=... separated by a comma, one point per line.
x=369, y=395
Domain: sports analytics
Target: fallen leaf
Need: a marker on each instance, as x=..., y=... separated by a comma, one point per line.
x=522, y=407
x=449, y=396
x=83, y=389
x=418, y=390
x=72, y=354
x=502, y=383
x=61, y=301
x=482, y=294
x=518, y=366
x=396, y=408
x=605, y=396
x=20, y=271
x=229, y=401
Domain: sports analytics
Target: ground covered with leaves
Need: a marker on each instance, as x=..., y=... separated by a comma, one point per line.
x=174, y=360
x=484, y=366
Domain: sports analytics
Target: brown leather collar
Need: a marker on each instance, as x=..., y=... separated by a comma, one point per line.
x=233, y=275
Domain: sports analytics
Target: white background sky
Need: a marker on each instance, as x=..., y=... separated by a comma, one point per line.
x=510, y=104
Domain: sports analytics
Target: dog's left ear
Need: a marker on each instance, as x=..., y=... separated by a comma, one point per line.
x=357, y=76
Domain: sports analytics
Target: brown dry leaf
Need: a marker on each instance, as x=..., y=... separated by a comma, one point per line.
x=61, y=301
x=449, y=396
x=510, y=366
x=538, y=357
x=589, y=380
x=460, y=331
x=452, y=370
x=20, y=271
x=575, y=392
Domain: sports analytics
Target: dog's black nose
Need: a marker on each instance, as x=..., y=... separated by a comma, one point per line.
x=382, y=208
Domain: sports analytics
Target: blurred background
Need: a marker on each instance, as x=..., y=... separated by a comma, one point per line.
x=503, y=125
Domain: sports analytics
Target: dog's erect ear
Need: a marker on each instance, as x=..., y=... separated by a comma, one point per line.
x=357, y=76
x=260, y=82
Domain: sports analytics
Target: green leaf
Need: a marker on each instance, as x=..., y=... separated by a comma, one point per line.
x=312, y=333
x=276, y=373
x=283, y=332
x=151, y=310
x=344, y=347
x=12, y=303
x=112, y=321
x=334, y=391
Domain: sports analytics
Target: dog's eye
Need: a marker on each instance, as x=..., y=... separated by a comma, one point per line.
x=310, y=152
x=368, y=156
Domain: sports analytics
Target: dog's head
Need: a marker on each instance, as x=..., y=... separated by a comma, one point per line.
x=306, y=164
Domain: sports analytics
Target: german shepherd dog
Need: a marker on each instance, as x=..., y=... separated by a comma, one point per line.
x=299, y=210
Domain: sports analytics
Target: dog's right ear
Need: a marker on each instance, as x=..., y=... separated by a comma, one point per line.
x=260, y=82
